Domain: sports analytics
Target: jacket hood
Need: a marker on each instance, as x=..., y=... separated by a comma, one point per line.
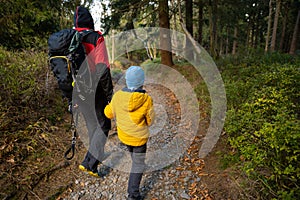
x=137, y=99
x=83, y=18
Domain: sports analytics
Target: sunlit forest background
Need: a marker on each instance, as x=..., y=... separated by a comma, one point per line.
x=254, y=43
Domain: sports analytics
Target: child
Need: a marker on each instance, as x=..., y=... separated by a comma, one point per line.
x=133, y=109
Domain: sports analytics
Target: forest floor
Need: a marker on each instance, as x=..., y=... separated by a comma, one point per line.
x=47, y=175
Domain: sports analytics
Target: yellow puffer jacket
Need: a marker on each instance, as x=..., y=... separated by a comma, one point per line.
x=134, y=113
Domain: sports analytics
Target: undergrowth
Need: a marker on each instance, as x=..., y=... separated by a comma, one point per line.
x=263, y=122
x=25, y=95
x=29, y=111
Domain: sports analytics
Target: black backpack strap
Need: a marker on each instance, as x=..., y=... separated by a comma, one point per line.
x=63, y=57
x=77, y=39
x=73, y=142
x=84, y=33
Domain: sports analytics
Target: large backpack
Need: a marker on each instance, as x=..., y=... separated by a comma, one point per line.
x=66, y=56
x=67, y=60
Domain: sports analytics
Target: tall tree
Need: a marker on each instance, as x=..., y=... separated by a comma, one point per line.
x=269, y=26
x=275, y=25
x=234, y=45
x=200, y=21
x=189, y=28
x=213, y=27
x=164, y=35
x=284, y=24
x=175, y=9
x=125, y=13
x=189, y=16
x=295, y=35
x=27, y=23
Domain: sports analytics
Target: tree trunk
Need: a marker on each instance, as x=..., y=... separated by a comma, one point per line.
x=269, y=26
x=248, y=39
x=273, y=41
x=284, y=21
x=256, y=30
x=112, y=47
x=252, y=31
x=187, y=34
x=200, y=20
x=295, y=35
x=221, y=47
x=189, y=27
x=150, y=49
x=211, y=37
x=213, y=27
x=227, y=42
x=164, y=35
x=174, y=15
x=234, y=41
x=174, y=36
x=189, y=16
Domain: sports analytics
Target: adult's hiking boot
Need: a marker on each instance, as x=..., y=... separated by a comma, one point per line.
x=96, y=174
x=83, y=168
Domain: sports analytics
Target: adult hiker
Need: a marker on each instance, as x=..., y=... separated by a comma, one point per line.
x=98, y=125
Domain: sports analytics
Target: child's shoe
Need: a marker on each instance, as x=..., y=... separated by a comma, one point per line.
x=135, y=198
x=96, y=174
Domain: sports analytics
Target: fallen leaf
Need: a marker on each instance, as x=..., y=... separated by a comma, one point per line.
x=3, y=147
x=203, y=174
x=10, y=160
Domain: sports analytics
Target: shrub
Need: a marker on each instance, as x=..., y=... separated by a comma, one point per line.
x=263, y=125
x=256, y=57
x=24, y=92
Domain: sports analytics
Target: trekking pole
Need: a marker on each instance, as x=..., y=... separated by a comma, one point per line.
x=73, y=143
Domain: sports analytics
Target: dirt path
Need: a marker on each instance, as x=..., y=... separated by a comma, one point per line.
x=189, y=177
x=45, y=174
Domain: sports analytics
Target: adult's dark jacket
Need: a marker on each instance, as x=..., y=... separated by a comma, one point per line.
x=98, y=62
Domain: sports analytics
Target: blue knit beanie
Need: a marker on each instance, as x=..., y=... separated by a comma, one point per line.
x=135, y=77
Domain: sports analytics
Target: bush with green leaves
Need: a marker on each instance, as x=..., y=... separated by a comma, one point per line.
x=263, y=124
x=32, y=127
x=23, y=93
x=19, y=71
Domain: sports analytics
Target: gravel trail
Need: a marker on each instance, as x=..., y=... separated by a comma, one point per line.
x=179, y=180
